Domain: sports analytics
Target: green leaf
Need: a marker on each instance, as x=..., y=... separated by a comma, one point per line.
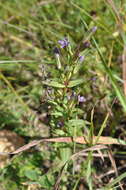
x=76, y=122
x=77, y=68
x=46, y=181
x=31, y=174
x=59, y=132
x=54, y=84
x=65, y=154
x=74, y=83
x=56, y=113
x=78, y=110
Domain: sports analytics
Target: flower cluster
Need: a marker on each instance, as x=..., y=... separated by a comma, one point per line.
x=64, y=43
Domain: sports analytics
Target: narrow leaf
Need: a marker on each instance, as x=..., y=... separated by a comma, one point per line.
x=54, y=84
x=75, y=83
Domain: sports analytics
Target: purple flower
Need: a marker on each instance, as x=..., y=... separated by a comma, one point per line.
x=81, y=58
x=64, y=43
x=56, y=51
x=86, y=44
x=60, y=124
x=81, y=99
x=94, y=29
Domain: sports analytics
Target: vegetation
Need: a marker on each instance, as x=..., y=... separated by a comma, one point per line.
x=62, y=84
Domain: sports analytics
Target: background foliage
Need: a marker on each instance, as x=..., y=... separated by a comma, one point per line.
x=33, y=107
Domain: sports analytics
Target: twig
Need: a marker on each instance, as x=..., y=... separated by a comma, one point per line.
x=102, y=140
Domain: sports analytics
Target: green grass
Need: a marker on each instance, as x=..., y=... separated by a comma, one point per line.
x=37, y=98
